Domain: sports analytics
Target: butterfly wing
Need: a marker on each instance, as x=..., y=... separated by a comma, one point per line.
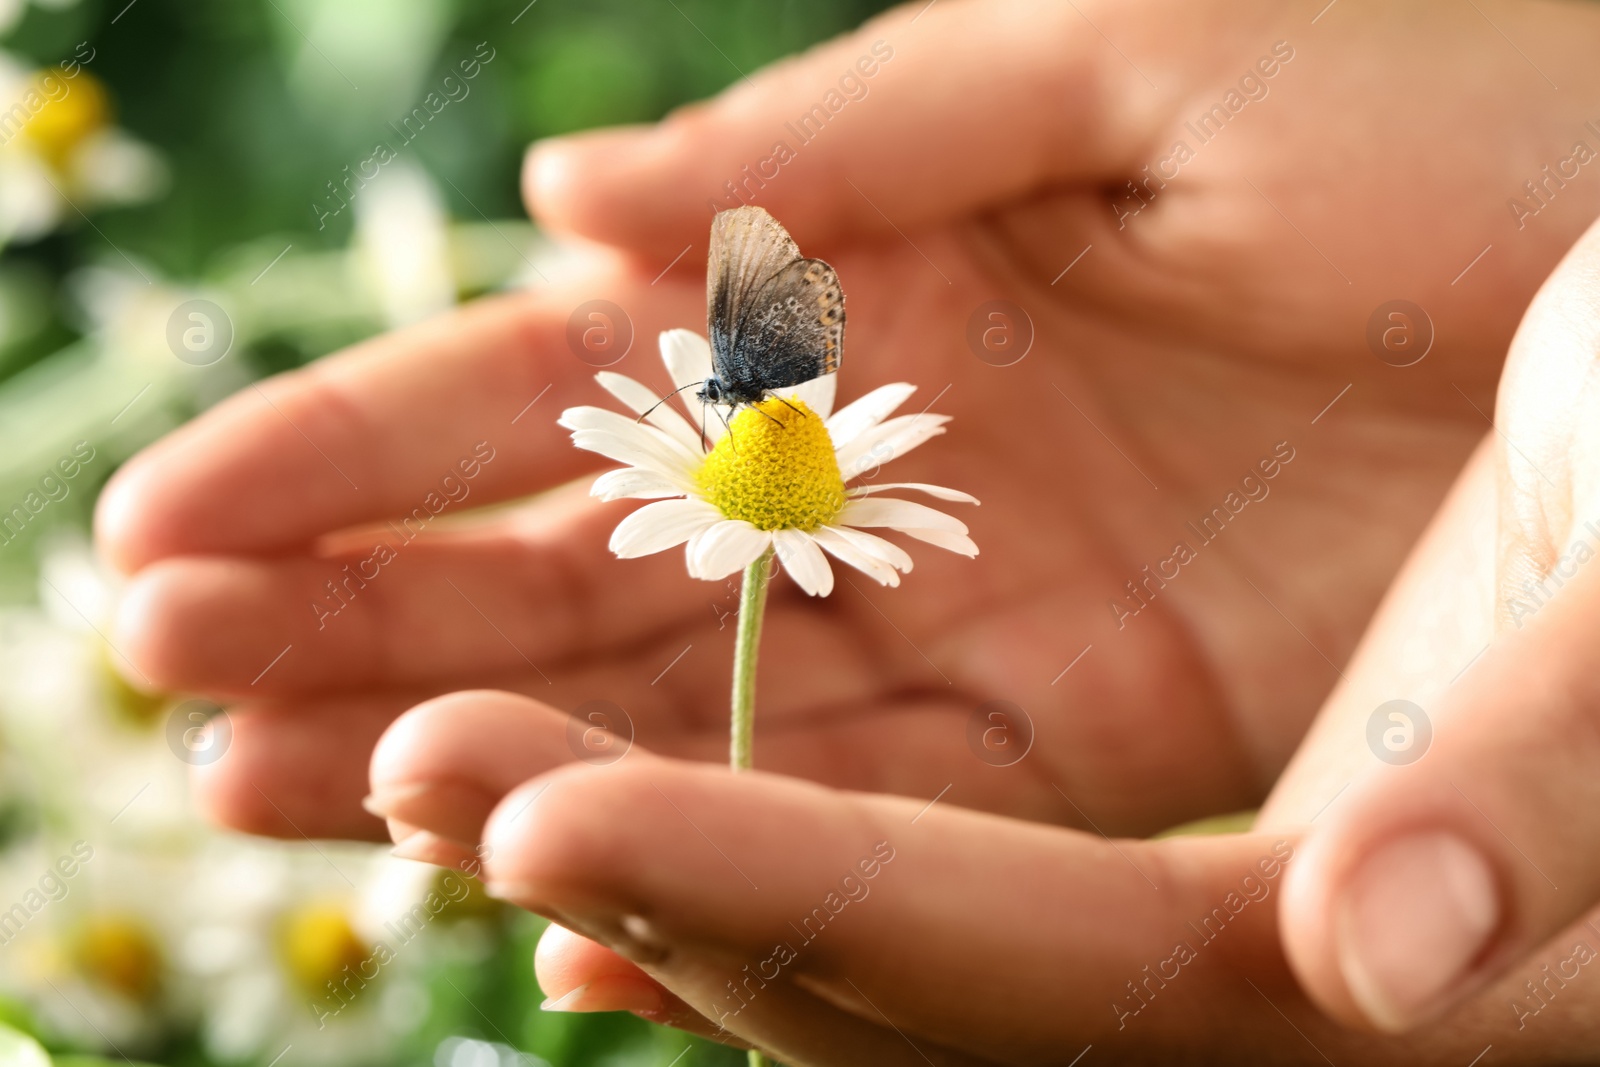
x=775, y=319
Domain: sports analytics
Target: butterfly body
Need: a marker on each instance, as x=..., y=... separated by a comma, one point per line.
x=774, y=318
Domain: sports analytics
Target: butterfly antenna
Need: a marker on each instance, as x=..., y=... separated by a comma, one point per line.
x=663, y=400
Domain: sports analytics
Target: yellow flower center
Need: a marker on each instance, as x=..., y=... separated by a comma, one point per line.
x=775, y=468
x=318, y=944
x=66, y=112
x=120, y=954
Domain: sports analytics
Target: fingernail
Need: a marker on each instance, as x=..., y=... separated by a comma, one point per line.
x=382, y=802
x=610, y=994
x=1414, y=916
x=510, y=892
x=547, y=169
x=425, y=847
x=455, y=810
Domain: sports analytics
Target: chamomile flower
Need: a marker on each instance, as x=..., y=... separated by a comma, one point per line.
x=777, y=476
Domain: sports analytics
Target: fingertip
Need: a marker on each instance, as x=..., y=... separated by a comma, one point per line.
x=548, y=170
x=599, y=184
x=565, y=961
x=146, y=625
x=290, y=770
x=242, y=791
x=121, y=519
x=557, y=843
x=1402, y=928
x=484, y=736
x=1305, y=932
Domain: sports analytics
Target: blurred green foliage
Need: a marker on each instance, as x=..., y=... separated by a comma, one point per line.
x=257, y=104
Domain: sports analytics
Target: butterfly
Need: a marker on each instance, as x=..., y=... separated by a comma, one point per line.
x=774, y=318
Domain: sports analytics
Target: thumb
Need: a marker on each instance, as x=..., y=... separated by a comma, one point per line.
x=1432, y=879
x=909, y=120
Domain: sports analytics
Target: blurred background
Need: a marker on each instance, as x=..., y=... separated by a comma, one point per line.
x=193, y=196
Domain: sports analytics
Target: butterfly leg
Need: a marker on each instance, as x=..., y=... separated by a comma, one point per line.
x=788, y=405
x=773, y=418
x=726, y=425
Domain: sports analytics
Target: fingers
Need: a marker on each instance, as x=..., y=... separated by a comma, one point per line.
x=297, y=770
x=917, y=750
x=826, y=139
x=408, y=427
x=1431, y=880
x=577, y=974
x=654, y=860
x=1425, y=884
x=445, y=764
x=521, y=592
x=678, y=868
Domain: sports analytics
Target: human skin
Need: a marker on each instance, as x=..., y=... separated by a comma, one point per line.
x=1173, y=357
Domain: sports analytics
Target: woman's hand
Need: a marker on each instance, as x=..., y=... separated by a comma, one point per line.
x=1193, y=347
x=1176, y=349
x=1424, y=860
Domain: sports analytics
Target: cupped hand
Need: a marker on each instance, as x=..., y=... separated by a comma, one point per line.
x=1424, y=867
x=1177, y=354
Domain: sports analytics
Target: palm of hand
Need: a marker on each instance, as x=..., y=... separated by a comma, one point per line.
x=1167, y=364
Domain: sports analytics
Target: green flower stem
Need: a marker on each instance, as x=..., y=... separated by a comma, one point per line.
x=747, y=643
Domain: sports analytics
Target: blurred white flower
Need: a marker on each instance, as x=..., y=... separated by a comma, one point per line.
x=320, y=948
x=402, y=244
x=97, y=964
x=173, y=926
x=60, y=152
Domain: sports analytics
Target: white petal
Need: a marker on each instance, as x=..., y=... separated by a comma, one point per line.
x=641, y=398
x=860, y=415
x=845, y=550
x=687, y=356
x=887, y=441
x=661, y=525
x=818, y=394
x=953, y=495
x=727, y=547
x=897, y=515
x=960, y=544
x=878, y=548
x=804, y=561
x=584, y=417
x=639, y=483
x=688, y=359
x=635, y=452
x=614, y=422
